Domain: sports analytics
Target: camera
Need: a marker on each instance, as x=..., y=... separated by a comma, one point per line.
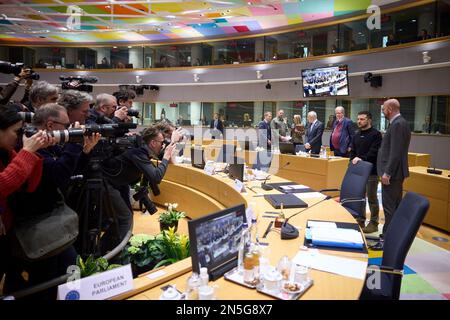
x=76, y=83
x=15, y=69
x=142, y=196
x=133, y=113
x=76, y=135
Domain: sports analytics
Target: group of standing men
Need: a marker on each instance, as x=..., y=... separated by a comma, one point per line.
x=388, y=154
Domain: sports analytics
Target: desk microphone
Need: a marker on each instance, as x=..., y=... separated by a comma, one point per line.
x=288, y=231
x=266, y=187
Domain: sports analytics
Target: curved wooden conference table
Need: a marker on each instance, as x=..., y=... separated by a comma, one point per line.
x=199, y=194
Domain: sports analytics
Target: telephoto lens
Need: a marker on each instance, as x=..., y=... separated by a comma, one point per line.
x=73, y=135
x=26, y=116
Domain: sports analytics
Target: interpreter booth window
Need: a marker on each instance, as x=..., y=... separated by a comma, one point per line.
x=173, y=56
x=319, y=106
x=149, y=57
x=443, y=20
x=352, y=36
x=207, y=113
x=409, y=24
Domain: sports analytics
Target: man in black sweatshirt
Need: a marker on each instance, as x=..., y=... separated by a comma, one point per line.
x=364, y=146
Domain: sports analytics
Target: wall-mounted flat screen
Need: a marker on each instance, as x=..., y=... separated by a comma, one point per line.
x=325, y=82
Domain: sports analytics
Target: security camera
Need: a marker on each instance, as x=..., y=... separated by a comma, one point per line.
x=268, y=85
x=367, y=76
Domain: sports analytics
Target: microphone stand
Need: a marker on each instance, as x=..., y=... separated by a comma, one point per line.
x=288, y=231
x=266, y=187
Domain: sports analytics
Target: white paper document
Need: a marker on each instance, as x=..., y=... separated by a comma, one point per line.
x=337, y=235
x=309, y=195
x=294, y=187
x=321, y=224
x=323, y=262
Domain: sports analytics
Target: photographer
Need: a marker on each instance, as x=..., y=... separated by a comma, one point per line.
x=76, y=104
x=173, y=135
x=105, y=111
x=41, y=93
x=60, y=163
x=7, y=92
x=17, y=170
x=128, y=167
x=125, y=99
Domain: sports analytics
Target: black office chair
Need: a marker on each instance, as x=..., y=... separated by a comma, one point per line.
x=353, y=188
x=402, y=230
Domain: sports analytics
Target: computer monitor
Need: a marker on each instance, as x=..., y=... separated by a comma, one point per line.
x=287, y=148
x=236, y=171
x=214, y=240
x=198, y=157
x=324, y=82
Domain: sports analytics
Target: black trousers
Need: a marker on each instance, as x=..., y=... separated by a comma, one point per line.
x=391, y=196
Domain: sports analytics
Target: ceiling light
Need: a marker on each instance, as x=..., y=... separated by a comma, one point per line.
x=129, y=47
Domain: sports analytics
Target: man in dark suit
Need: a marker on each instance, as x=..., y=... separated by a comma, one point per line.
x=342, y=134
x=314, y=133
x=264, y=131
x=392, y=161
x=217, y=126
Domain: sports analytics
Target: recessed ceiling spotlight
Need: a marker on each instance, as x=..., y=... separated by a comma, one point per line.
x=129, y=47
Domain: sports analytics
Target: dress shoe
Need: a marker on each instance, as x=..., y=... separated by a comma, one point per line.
x=377, y=246
x=371, y=227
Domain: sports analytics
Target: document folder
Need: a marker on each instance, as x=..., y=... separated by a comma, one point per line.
x=334, y=245
x=288, y=201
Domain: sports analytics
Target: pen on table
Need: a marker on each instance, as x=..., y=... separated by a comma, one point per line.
x=268, y=229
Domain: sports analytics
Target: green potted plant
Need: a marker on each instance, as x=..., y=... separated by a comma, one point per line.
x=174, y=246
x=170, y=217
x=93, y=266
x=143, y=252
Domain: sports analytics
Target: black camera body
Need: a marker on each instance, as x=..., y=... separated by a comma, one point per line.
x=15, y=69
x=133, y=113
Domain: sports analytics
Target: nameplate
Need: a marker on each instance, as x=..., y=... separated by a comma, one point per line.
x=239, y=186
x=101, y=286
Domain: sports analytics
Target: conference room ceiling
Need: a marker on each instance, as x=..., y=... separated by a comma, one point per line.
x=125, y=21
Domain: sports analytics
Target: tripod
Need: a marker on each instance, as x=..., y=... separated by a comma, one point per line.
x=99, y=225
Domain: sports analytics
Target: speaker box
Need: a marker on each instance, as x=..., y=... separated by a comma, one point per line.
x=376, y=81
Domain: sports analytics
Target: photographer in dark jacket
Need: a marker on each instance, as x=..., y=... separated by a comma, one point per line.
x=137, y=161
x=105, y=110
x=59, y=164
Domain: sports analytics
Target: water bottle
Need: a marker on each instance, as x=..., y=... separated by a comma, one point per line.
x=242, y=246
x=193, y=283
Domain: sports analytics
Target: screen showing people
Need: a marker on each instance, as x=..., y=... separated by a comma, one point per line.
x=217, y=237
x=328, y=81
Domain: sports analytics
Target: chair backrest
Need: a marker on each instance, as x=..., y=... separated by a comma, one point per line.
x=354, y=186
x=400, y=235
x=403, y=229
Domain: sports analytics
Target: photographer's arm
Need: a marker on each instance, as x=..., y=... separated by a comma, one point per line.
x=151, y=173
x=10, y=89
